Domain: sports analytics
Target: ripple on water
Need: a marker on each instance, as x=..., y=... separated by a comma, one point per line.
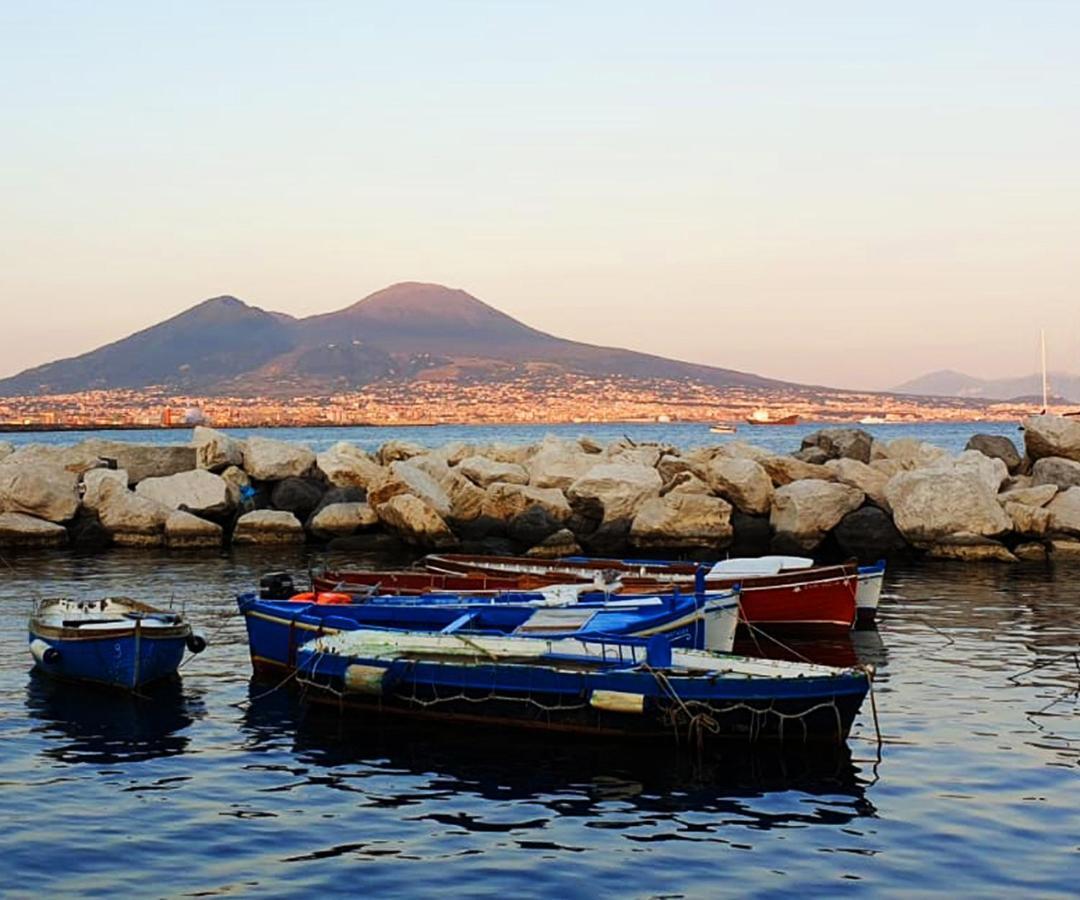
x=210, y=787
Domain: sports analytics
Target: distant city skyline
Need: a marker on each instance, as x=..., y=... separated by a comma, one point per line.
x=821, y=193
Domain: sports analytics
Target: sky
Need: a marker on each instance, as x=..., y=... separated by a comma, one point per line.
x=840, y=193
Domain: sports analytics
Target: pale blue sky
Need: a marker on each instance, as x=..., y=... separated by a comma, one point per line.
x=844, y=193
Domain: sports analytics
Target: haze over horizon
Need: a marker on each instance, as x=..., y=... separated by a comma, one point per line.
x=828, y=195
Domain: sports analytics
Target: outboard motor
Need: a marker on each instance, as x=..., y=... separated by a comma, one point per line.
x=276, y=586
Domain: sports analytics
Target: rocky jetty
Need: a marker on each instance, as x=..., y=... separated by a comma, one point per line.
x=841, y=494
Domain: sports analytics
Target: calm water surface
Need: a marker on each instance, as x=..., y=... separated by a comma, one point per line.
x=215, y=789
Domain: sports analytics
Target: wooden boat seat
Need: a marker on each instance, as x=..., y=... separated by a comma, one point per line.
x=555, y=621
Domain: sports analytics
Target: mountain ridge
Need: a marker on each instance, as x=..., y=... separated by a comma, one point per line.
x=225, y=345
x=951, y=383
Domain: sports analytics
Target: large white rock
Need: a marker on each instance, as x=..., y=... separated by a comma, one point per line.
x=268, y=526
x=989, y=470
x=803, y=512
x=557, y=464
x=20, y=530
x=648, y=455
x=505, y=501
x=483, y=472
x=184, y=531
x=620, y=488
x=929, y=506
x=868, y=479
x=682, y=520
x=1052, y=436
x=198, y=491
x=92, y=481
x=140, y=460
x=671, y=466
x=1035, y=495
x=741, y=450
x=341, y=519
x=43, y=490
x=1030, y=521
x=1065, y=511
x=1056, y=470
x=742, y=481
x=398, y=451
x=269, y=460
x=416, y=521
x=345, y=465
x=215, y=450
x=911, y=453
x=408, y=478
x=132, y=521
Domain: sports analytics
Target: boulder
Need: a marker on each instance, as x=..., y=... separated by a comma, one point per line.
x=406, y=478
x=269, y=460
x=300, y=496
x=1048, y=435
x=345, y=465
x=868, y=533
x=454, y=452
x=131, y=520
x=859, y=475
x=996, y=446
x=647, y=455
x=198, y=491
x=416, y=521
x=340, y=519
x=980, y=551
x=620, y=488
x=1065, y=512
x=742, y=481
x=912, y=453
x=505, y=501
x=559, y=543
x=930, y=505
x=465, y=498
x=238, y=484
x=509, y=453
x=268, y=526
x=841, y=443
x=1015, y=482
x=683, y=521
x=1056, y=470
x=813, y=455
x=991, y=472
x=20, y=530
x=803, y=512
x=92, y=481
x=43, y=490
x=533, y=526
x=483, y=472
x=184, y=531
x=740, y=450
x=786, y=469
x=215, y=450
x=1031, y=551
x=887, y=467
x=399, y=451
x=1065, y=550
x=142, y=460
x=1029, y=521
x=670, y=466
x=588, y=445
x=558, y=465
x=1038, y=495
x=685, y=483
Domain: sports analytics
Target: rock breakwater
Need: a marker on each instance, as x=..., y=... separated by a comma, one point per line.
x=842, y=494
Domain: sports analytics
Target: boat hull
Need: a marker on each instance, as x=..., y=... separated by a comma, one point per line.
x=871, y=581
x=119, y=660
x=648, y=703
x=278, y=630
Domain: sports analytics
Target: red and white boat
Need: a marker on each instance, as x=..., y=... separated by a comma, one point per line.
x=778, y=593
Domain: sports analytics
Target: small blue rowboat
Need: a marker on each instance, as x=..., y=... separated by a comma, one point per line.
x=599, y=685
x=278, y=628
x=115, y=641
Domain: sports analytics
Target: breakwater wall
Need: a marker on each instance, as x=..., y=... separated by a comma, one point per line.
x=842, y=494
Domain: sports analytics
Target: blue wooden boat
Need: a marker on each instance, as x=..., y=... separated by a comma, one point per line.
x=278, y=628
x=601, y=685
x=115, y=641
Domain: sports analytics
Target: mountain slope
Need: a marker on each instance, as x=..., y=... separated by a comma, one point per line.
x=215, y=340
x=948, y=383
x=226, y=346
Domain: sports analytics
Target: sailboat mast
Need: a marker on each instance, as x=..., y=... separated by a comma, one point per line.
x=1042, y=341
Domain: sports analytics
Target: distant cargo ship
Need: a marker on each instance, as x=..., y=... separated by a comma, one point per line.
x=763, y=417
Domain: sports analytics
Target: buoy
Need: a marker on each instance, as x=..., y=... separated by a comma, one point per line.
x=364, y=679
x=196, y=643
x=617, y=701
x=44, y=653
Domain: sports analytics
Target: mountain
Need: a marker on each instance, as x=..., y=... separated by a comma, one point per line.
x=408, y=330
x=947, y=383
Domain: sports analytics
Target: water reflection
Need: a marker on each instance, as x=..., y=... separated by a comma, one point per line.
x=86, y=724
x=568, y=776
